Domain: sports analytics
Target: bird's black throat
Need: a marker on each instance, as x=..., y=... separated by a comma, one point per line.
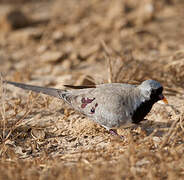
x=142, y=110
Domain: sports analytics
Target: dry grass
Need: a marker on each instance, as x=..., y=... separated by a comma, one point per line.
x=91, y=42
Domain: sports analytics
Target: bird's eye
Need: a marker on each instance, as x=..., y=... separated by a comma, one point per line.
x=157, y=91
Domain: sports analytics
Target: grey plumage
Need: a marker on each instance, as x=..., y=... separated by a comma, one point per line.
x=111, y=105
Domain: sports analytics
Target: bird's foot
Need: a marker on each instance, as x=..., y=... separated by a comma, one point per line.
x=114, y=133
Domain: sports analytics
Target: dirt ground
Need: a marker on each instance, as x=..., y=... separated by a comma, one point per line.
x=51, y=43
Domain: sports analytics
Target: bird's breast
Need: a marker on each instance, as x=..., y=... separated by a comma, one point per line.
x=141, y=111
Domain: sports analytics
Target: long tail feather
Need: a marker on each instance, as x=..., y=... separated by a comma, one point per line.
x=49, y=91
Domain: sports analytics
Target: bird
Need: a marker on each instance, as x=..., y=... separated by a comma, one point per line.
x=112, y=105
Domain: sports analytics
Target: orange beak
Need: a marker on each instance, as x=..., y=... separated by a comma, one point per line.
x=163, y=99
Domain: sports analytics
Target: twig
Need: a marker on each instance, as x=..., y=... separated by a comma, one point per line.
x=109, y=59
x=181, y=125
x=3, y=114
x=168, y=135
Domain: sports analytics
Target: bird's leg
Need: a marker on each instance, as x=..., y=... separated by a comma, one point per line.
x=114, y=133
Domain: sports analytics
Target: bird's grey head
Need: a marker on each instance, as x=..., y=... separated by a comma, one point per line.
x=152, y=90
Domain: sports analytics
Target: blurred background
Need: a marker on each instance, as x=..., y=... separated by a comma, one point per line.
x=59, y=41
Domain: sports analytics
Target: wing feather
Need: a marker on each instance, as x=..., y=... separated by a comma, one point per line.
x=80, y=87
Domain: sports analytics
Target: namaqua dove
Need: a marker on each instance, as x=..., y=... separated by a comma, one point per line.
x=110, y=105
